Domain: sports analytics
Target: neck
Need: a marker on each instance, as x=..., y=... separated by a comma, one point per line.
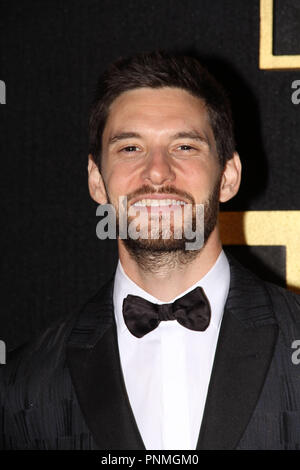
x=171, y=280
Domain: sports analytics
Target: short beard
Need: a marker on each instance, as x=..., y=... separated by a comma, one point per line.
x=162, y=255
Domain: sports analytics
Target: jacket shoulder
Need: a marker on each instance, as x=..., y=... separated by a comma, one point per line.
x=286, y=307
x=32, y=384
x=38, y=404
x=34, y=364
x=258, y=301
x=43, y=352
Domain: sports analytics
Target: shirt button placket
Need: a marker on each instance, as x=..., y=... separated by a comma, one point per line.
x=175, y=406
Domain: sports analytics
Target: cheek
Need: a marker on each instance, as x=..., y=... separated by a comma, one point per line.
x=119, y=182
x=200, y=180
x=196, y=177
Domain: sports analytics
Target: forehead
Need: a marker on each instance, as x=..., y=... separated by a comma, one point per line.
x=160, y=110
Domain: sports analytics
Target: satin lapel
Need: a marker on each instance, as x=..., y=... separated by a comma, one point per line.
x=245, y=348
x=94, y=363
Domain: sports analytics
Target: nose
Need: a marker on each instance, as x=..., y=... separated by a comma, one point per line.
x=158, y=169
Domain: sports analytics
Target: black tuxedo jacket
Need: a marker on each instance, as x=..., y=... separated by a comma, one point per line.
x=65, y=390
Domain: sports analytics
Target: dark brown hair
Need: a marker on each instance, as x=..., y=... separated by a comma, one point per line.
x=156, y=70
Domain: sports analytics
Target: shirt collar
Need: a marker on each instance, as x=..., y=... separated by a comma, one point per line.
x=215, y=284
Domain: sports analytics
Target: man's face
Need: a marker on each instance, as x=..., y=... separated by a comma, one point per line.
x=158, y=143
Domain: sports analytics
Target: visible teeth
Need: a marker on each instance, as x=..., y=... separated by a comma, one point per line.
x=159, y=202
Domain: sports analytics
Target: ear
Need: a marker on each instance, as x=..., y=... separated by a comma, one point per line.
x=231, y=178
x=95, y=181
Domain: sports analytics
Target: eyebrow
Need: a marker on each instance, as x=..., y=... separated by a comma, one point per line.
x=194, y=135
x=123, y=136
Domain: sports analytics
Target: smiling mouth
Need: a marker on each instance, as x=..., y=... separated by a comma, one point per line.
x=158, y=203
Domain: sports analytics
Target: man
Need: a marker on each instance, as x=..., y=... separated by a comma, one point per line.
x=183, y=348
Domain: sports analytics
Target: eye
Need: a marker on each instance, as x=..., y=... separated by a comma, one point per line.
x=130, y=149
x=186, y=147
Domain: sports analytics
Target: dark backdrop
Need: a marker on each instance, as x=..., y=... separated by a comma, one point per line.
x=51, y=53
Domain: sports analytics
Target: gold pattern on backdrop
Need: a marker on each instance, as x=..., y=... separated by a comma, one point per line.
x=266, y=228
x=267, y=60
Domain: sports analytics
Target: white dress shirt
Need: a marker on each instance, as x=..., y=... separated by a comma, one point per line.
x=167, y=371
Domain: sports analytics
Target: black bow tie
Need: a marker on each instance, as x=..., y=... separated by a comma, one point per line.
x=192, y=311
